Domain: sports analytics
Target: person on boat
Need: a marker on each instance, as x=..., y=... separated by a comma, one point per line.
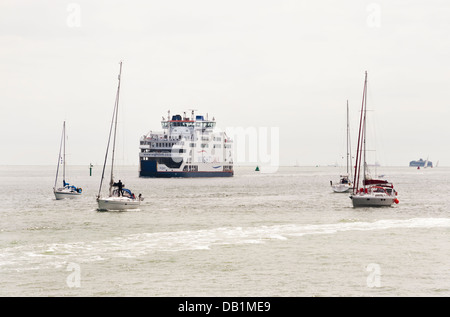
x=120, y=185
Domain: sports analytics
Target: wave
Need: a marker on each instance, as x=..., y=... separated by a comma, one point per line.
x=55, y=255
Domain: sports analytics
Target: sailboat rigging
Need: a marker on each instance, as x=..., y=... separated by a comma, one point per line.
x=374, y=192
x=67, y=191
x=119, y=198
x=345, y=182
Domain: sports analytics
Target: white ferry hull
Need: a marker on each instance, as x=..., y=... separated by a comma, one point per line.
x=372, y=201
x=117, y=203
x=66, y=195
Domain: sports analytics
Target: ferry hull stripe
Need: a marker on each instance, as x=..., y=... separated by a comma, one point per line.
x=185, y=174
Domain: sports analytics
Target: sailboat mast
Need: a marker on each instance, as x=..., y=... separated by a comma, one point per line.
x=349, y=146
x=359, y=145
x=113, y=120
x=64, y=154
x=115, y=130
x=347, y=142
x=364, y=132
x=59, y=157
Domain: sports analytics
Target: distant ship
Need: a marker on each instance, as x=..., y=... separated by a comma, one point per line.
x=187, y=147
x=421, y=163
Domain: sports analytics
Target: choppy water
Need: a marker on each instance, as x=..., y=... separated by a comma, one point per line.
x=256, y=234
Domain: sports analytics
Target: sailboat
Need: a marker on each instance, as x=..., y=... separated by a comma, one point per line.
x=426, y=163
x=345, y=182
x=119, y=197
x=374, y=192
x=67, y=190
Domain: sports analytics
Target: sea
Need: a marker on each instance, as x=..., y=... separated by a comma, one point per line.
x=257, y=234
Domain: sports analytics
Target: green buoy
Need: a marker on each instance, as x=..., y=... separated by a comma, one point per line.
x=257, y=169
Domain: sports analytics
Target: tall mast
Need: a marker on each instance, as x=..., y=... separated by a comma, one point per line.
x=358, y=148
x=347, y=142
x=364, y=131
x=113, y=120
x=59, y=157
x=349, y=146
x=116, y=107
x=64, y=154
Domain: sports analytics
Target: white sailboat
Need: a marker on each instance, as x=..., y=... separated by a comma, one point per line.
x=345, y=182
x=374, y=192
x=67, y=190
x=119, y=198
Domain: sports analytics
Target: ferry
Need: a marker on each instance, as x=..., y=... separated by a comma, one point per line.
x=421, y=163
x=187, y=147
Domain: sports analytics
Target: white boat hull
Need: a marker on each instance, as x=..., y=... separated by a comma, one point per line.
x=372, y=200
x=341, y=188
x=62, y=194
x=117, y=203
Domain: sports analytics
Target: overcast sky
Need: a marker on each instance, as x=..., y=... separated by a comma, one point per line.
x=290, y=65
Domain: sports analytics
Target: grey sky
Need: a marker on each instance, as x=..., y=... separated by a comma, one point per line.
x=287, y=64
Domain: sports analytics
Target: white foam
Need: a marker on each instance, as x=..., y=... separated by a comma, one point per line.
x=141, y=244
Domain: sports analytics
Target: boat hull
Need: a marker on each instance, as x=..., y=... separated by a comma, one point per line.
x=117, y=203
x=66, y=195
x=149, y=168
x=372, y=201
x=184, y=174
x=341, y=188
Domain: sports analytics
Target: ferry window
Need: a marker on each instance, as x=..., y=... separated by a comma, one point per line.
x=209, y=124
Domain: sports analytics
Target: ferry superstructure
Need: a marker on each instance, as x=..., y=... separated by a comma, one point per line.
x=187, y=147
x=421, y=163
